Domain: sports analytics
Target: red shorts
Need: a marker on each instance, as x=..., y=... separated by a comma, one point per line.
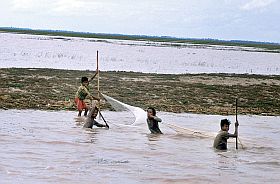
x=80, y=104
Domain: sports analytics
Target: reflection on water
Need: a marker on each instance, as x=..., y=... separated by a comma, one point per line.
x=51, y=147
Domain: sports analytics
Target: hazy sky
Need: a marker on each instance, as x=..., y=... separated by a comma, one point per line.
x=256, y=20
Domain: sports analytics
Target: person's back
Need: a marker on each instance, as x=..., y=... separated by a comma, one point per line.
x=220, y=141
x=90, y=120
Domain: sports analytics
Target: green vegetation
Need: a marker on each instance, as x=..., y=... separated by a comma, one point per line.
x=51, y=89
x=172, y=41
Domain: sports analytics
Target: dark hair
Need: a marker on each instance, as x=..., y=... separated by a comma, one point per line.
x=84, y=79
x=225, y=122
x=96, y=109
x=153, y=110
x=93, y=110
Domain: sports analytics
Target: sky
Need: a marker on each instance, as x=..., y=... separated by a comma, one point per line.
x=254, y=20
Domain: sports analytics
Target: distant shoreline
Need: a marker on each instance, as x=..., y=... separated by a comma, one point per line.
x=266, y=46
x=53, y=89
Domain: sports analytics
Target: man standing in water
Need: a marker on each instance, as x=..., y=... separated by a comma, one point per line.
x=220, y=141
x=90, y=121
x=152, y=121
x=82, y=93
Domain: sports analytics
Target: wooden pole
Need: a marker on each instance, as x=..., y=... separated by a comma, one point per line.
x=98, y=90
x=97, y=70
x=236, y=139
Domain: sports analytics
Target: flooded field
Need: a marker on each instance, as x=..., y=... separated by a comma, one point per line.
x=37, y=51
x=52, y=147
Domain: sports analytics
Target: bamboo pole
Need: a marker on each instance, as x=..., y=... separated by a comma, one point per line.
x=236, y=139
x=98, y=91
x=97, y=69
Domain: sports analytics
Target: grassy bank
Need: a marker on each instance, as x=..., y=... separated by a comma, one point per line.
x=51, y=89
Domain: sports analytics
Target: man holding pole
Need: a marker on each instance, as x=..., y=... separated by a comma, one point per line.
x=220, y=141
x=82, y=93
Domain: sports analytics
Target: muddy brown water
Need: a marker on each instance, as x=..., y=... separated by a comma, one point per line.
x=52, y=147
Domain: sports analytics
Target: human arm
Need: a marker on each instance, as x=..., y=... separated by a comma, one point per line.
x=86, y=93
x=96, y=72
x=95, y=98
x=155, y=118
x=235, y=134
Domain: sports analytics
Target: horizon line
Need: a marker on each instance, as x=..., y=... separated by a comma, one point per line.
x=146, y=36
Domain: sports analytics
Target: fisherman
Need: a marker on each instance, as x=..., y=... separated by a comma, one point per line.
x=82, y=93
x=90, y=120
x=152, y=121
x=220, y=141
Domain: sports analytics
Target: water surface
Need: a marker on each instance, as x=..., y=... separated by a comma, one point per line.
x=51, y=147
x=39, y=51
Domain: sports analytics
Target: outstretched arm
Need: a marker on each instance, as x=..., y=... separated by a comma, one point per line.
x=157, y=119
x=95, y=98
x=96, y=72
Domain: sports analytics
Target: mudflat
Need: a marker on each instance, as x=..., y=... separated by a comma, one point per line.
x=53, y=89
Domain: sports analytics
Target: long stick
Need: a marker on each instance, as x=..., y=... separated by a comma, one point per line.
x=103, y=119
x=98, y=90
x=236, y=139
x=97, y=69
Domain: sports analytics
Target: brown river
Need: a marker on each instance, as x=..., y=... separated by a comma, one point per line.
x=52, y=147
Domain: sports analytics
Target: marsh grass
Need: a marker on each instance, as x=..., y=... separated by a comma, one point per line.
x=52, y=89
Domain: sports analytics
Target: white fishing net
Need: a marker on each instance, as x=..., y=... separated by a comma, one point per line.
x=139, y=114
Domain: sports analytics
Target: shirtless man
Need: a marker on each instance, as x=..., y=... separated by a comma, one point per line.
x=90, y=121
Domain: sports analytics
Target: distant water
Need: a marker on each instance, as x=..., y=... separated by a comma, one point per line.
x=51, y=147
x=37, y=51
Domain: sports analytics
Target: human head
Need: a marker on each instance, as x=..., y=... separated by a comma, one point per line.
x=151, y=110
x=84, y=80
x=94, y=112
x=225, y=124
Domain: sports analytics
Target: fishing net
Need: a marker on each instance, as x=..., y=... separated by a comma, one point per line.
x=138, y=113
x=140, y=120
x=117, y=105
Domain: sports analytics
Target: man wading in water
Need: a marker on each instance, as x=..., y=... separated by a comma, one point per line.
x=82, y=93
x=90, y=121
x=152, y=121
x=220, y=141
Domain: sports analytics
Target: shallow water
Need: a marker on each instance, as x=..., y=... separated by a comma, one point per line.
x=38, y=51
x=51, y=147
